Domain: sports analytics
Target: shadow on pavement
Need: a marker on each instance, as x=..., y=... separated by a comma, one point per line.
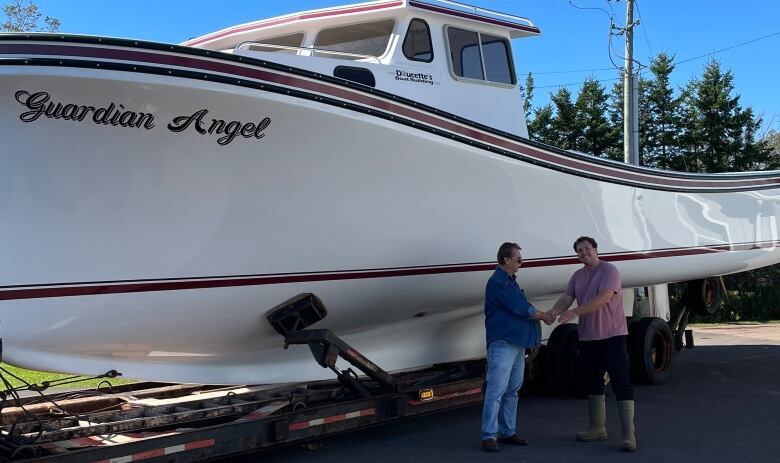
x=721, y=404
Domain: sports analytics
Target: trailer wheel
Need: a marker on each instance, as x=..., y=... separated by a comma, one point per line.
x=703, y=296
x=562, y=360
x=650, y=348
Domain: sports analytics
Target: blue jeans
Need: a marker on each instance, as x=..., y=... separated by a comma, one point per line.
x=506, y=366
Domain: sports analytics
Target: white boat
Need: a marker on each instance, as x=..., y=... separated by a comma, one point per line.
x=156, y=200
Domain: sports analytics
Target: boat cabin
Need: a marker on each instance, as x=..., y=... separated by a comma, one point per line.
x=448, y=55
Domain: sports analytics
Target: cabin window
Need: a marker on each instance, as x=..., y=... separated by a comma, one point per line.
x=417, y=43
x=464, y=50
x=359, y=75
x=498, y=64
x=291, y=40
x=367, y=39
x=480, y=56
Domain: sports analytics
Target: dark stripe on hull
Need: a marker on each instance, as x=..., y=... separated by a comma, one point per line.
x=141, y=286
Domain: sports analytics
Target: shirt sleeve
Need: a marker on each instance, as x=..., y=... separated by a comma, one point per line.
x=611, y=280
x=570, y=287
x=510, y=299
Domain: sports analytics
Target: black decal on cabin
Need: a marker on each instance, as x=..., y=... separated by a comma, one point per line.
x=420, y=77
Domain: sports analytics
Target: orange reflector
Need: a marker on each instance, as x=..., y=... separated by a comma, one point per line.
x=426, y=394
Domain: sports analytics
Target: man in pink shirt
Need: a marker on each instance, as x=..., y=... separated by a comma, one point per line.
x=602, y=334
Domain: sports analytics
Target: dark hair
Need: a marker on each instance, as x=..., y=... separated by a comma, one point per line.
x=505, y=251
x=585, y=238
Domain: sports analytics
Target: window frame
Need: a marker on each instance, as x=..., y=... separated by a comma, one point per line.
x=451, y=67
x=430, y=41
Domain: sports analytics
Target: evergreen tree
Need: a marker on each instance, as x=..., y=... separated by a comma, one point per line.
x=660, y=125
x=591, y=122
x=711, y=134
x=24, y=16
x=564, y=125
x=754, y=154
x=528, y=96
x=615, y=115
x=718, y=135
x=541, y=127
x=689, y=135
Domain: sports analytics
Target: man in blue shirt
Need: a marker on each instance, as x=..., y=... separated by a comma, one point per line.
x=511, y=325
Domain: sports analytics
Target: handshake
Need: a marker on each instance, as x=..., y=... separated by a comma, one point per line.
x=549, y=318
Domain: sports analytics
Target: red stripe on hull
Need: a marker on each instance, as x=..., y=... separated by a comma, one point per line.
x=118, y=287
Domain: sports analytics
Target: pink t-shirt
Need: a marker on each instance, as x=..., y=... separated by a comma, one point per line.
x=586, y=284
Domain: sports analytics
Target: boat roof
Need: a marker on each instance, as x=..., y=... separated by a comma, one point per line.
x=514, y=26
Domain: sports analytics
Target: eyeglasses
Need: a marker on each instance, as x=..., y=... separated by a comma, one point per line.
x=519, y=260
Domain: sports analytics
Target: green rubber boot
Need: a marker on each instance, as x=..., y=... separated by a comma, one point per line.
x=626, y=408
x=598, y=418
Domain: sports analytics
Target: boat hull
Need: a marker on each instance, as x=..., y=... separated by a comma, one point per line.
x=136, y=242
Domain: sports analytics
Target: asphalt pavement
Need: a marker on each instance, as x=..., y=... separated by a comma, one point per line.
x=720, y=404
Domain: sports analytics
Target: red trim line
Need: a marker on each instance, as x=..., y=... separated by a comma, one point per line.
x=119, y=287
x=289, y=19
x=600, y=172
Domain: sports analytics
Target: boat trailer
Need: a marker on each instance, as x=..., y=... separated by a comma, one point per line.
x=156, y=422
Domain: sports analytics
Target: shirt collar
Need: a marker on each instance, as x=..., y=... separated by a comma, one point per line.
x=511, y=277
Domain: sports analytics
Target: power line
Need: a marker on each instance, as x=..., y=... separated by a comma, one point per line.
x=644, y=28
x=575, y=83
x=570, y=71
x=728, y=48
x=676, y=63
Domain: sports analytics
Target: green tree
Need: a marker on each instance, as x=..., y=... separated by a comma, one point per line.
x=24, y=16
x=565, y=123
x=594, y=129
x=528, y=96
x=615, y=115
x=718, y=134
x=660, y=125
x=541, y=127
x=689, y=134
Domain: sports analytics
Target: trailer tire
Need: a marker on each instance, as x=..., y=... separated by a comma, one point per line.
x=562, y=363
x=703, y=296
x=650, y=347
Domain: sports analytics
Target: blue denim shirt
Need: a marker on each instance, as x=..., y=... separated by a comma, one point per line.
x=507, y=312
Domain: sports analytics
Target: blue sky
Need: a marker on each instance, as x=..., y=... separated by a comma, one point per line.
x=572, y=38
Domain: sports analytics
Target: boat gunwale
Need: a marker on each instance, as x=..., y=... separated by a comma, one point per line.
x=113, y=42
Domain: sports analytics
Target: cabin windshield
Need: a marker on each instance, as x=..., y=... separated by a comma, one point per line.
x=355, y=41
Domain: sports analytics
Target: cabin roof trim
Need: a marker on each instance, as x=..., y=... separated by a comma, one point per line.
x=515, y=25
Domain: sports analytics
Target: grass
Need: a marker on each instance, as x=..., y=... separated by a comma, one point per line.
x=38, y=377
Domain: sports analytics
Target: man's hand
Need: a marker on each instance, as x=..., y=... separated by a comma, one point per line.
x=567, y=316
x=548, y=318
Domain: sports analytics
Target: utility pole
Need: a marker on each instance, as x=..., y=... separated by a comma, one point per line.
x=630, y=94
